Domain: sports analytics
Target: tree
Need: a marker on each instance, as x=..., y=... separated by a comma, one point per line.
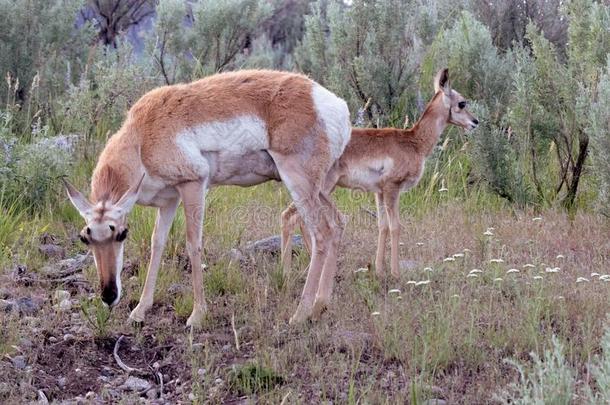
x=115, y=16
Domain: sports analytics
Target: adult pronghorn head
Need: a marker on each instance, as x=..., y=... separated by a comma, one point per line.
x=104, y=234
x=457, y=105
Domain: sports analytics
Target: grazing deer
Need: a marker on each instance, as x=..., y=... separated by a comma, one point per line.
x=240, y=128
x=388, y=161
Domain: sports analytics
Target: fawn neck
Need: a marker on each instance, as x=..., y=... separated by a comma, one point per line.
x=428, y=129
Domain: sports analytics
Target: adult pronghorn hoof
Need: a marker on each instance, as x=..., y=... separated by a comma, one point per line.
x=195, y=321
x=137, y=315
x=319, y=307
x=300, y=316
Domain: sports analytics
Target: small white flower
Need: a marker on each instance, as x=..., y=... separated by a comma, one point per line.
x=560, y=297
x=401, y=243
x=475, y=271
x=420, y=244
x=411, y=282
x=529, y=266
x=467, y=250
x=443, y=189
x=488, y=232
x=560, y=257
x=473, y=275
x=394, y=291
x=509, y=271
x=458, y=255
x=455, y=296
x=537, y=277
x=449, y=259
x=552, y=270
x=423, y=282
x=604, y=277
x=496, y=261
x=428, y=269
x=361, y=270
x=537, y=219
x=375, y=313
x=594, y=274
x=582, y=280
x=498, y=279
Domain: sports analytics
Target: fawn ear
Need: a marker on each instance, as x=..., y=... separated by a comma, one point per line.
x=441, y=82
x=79, y=201
x=127, y=201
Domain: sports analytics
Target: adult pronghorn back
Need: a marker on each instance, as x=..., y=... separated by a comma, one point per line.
x=240, y=128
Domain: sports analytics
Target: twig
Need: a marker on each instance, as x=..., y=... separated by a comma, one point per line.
x=234, y=331
x=368, y=211
x=285, y=399
x=123, y=366
x=160, y=384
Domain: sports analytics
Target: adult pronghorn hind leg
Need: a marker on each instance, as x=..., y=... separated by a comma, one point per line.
x=327, y=279
x=165, y=216
x=382, y=224
x=193, y=199
x=304, y=186
x=391, y=201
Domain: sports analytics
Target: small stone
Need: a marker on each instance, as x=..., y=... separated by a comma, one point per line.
x=61, y=382
x=52, y=339
x=156, y=365
x=270, y=245
x=49, y=250
x=19, y=362
x=407, y=264
x=90, y=395
x=197, y=346
x=68, y=337
x=6, y=305
x=27, y=306
x=201, y=372
x=107, y=371
x=4, y=293
x=435, y=401
x=5, y=389
x=65, y=305
x=191, y=397
x=25, y=343
x=135, y=384
x=226, y=348
x=151, y=394
x=218, y=381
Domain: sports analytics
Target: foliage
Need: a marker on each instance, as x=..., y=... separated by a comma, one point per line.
x=252, y=378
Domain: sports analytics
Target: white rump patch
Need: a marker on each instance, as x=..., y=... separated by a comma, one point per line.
x=237, y=136
x=334, y=114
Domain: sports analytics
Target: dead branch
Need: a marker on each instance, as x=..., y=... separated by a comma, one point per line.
x=118, y=360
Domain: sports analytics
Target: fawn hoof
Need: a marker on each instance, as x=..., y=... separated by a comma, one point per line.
x=138, y=313
x=196, y=319
x=301, y=315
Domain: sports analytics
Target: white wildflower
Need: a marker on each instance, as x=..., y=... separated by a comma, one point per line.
x=423, y=282
x=498, y=279
x=582, y=280
x=428, y=269
x=458, y=255
x=449, y=259
x=537, y=277
x=473, y=275
x=594, y=274
x=537, y=219
x=475, y=271
x=411, y=282
x=559, y=257
x=466, y=250
x=496, y=261
x=375, y=313
x=394, y=291
x=529, y=266
x=420, y=244
x=552, y=270
x=488, y=232
x=361, y=270
x=604, y=277
x=509, y=271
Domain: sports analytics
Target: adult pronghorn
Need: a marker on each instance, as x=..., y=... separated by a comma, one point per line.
x=388, y=161
x=240, y=128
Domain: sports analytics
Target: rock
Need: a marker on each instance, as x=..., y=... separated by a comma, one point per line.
x=201, y=372
x=192, y=397
x=135, y=384
x=19, y=362
x=5, y=389
x=28, y=306
x=270, y=245
x=435, y=401
x=61, y=382
x=5, y=293
x=25, y=343
x=50, y=250
x=6, y=305
x=68, y=337
x=151, y=394
x=176, y=289
x=236, y=255
x=90, y=395
x=68, y=266
x=52, y=339
x=65, y=305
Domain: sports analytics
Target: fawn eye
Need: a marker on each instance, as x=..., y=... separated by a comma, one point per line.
x=84, y=240
x=462, y=105
x=122, y=235
x=112, y=228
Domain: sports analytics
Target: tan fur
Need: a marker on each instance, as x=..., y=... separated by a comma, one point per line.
x=148, y=145
x=393, y=160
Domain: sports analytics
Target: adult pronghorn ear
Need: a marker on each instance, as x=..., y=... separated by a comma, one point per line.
x=127, y=201
x=79, y=201
x=441, y=82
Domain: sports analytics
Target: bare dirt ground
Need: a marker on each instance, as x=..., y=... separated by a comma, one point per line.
x=436, y=333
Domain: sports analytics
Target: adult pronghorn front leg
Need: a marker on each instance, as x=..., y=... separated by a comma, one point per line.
x=391, y=201
x=165, y=217
x=193, y=200
x=382, y=224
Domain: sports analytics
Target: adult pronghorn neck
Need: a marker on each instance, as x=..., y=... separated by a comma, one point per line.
x=428, y=129
x=118, y=168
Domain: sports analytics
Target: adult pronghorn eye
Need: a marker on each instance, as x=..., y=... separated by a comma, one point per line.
x=462, y=105
x=83, y=239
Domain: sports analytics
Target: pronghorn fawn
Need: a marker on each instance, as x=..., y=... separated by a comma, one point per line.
x=388, y=161
x=240, y=128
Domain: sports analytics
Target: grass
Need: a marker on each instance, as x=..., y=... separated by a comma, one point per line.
x=444, y=333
